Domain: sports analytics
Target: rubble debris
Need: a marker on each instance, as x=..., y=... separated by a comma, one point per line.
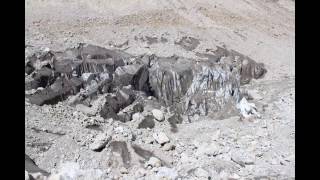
x=147, y=122
x=72, y=170
x=161, y=138
x=119, y=45
x=201, y=173
x=158, y=114
x=123, y=170
x=137, y=117
x=209, y=149
x=151, y=40
x=242, y=158
x=167, y=173
x=138, y=107
x=188, y=43
x=168, y=147
x=115, y=102
x=85, y=109
x=141, y=172
x=100, y=142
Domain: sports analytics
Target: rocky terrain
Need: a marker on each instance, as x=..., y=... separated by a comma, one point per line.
x=159, y=89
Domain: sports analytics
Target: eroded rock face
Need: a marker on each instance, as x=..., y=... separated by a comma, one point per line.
x=187, y=86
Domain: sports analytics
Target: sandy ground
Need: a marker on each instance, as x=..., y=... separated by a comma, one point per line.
x=261, y=29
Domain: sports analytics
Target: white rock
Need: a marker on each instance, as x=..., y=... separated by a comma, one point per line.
x=85, y=109
x=196, y=117
x=32, y=91
x=158, y=115
x=148, y=140
x=87, y=77
x=168, y=147
x=153, y=162
x=247, y=109
x=56, y=177
x=201, y=173
x=167, y=173
x=123, y=170
x=100, y=142
x=119, y=129
x=68, y=171
x=110, y=120
x=161, y=138
x=46, y=49
x=104, y=76
x=26, y=175
x=137, y=117
x=211, y=149
x=242, y=157
x=87, y=122
x=184, y=158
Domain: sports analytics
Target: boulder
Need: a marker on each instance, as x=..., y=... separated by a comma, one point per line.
x=158, y=114
x=161, y=138
x=115, y=102
x=100, y=142
x=153, y=162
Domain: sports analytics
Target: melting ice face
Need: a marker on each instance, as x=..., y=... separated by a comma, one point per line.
x=188, y=87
